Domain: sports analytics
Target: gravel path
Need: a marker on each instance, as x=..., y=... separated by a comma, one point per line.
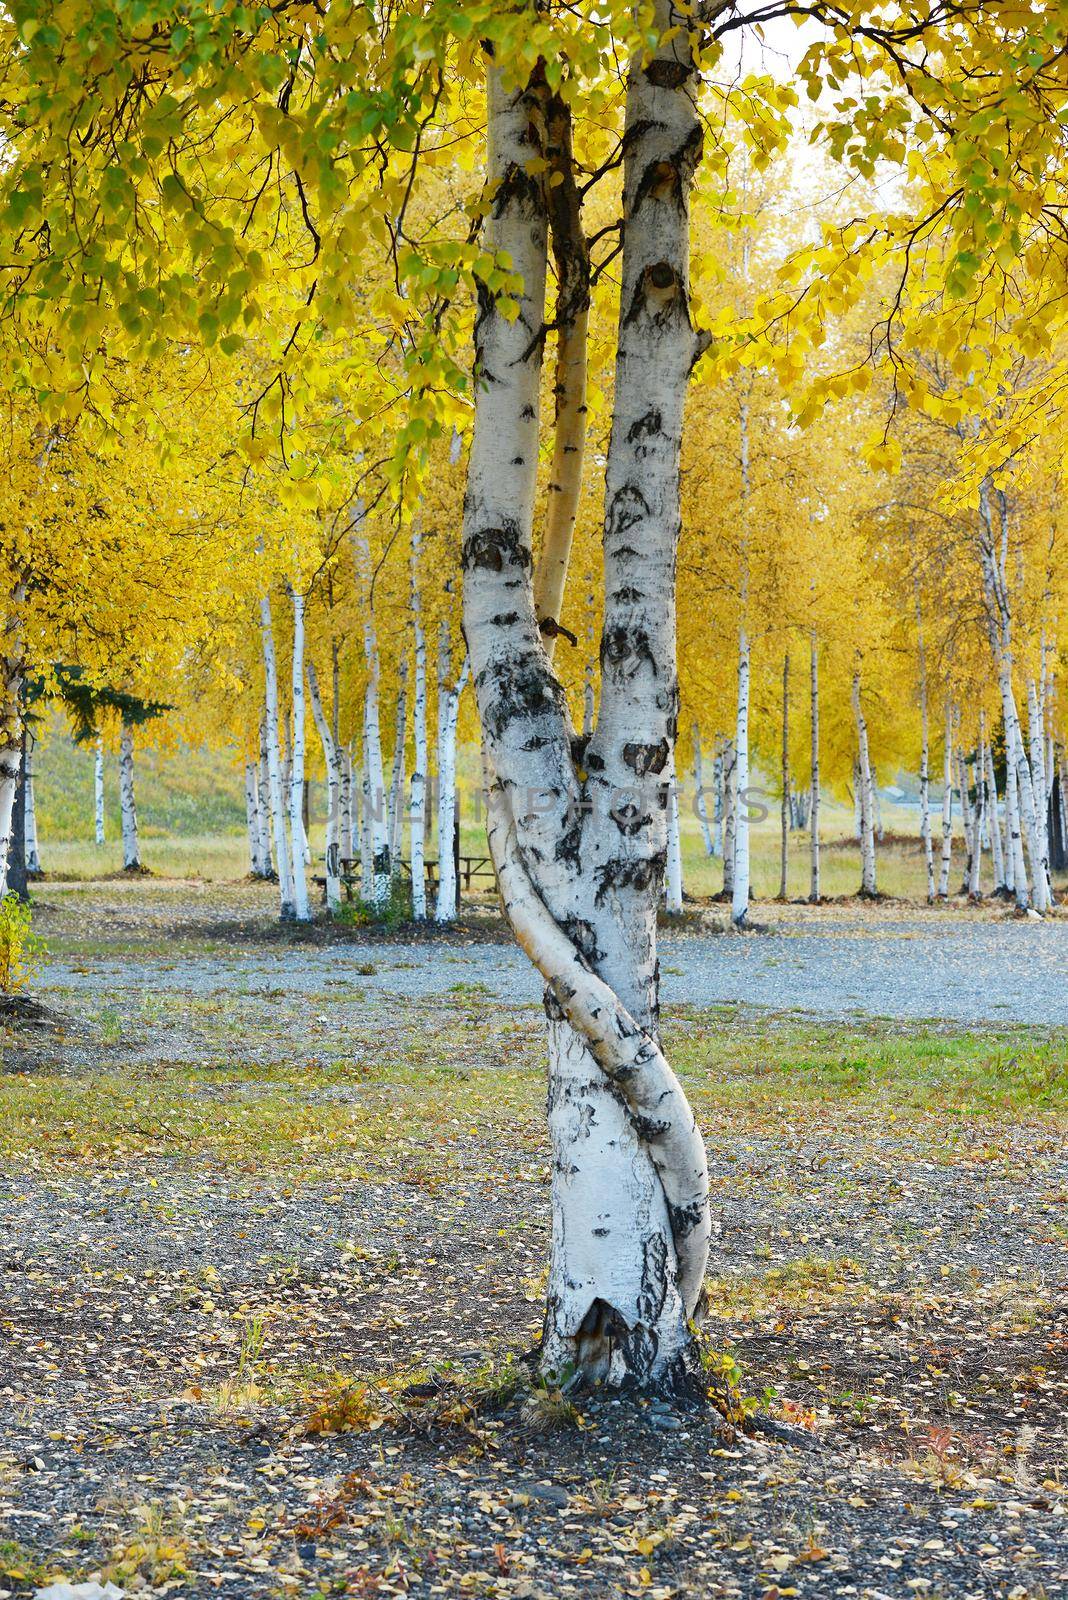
x=914, y=969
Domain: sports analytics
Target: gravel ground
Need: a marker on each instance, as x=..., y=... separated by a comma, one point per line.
x=884, y=964
x=894, y=1285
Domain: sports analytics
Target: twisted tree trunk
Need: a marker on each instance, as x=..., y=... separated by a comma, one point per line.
x=578, y=827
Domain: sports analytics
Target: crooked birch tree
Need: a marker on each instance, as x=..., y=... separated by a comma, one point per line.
x=578, y=827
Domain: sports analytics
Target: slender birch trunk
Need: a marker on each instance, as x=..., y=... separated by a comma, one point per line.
x=719, y=805
x=580, y=850
x=298, y=836
x=966, y=818
x=925, y=757
x=700, y=803
x=263, y=803
x=975, y=887
x=730, y=813
x=995, y=826
x=572, y=260
x=252, y=821
x=673, y=871
x=784, y=839
x=947, y=807
x=10, y=760
x=814, y=812
x=282, y=860
x=864, y=786
x=417, y=792
x=396, y=781
x=333, y=764
x=740, y=883
x=1016, y=866
x=449, y=692
x=345, y=805
x=98, y=789
x=1036, y=735
x=33, y=854
x=131, y=851
x=376, y=861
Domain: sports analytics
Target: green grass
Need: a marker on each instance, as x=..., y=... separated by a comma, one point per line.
x=737, y=1060
x=417, y=1107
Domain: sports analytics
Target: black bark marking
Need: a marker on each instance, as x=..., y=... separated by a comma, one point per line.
x=619, y=874
x=624, y=649
x=667, y=73
x=490, y=548
x=648, y=425
x=629, y=506
x=630, y=819
x=504, y=619
x=519, y=689
x=654, y=1285
x=684, y=1219
x=583, y=936
x=643, y=758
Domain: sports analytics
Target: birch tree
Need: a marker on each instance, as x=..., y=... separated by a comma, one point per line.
x=578, y=834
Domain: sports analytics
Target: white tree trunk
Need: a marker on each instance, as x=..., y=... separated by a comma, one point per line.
x=10, y=760
x=301, y=908
x=975, y=871
x=33, y=854
x=345, y=833
x=417, y=791
x=740, y=880
x=446, y=905
x=131, y=853
x=966, y=818
x=995, y=826
x=333, y=764
x=375, y=859
x=252, y=820
x=947, y=807
x=395, y=826
x=730, y=814
x=814, y=762
x=784, y=816
x=925, y=756
x=1037, y=738
x=864, y=785
x=1015, y=866
x=700, y=803
x=263, y=803
x=673, y=872
x=98, y=789
x=282, y=859
x=580, y=850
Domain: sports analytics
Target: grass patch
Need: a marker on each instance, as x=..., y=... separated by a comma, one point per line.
x=738, y=1060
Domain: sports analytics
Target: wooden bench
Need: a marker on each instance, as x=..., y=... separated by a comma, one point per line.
x=469, y=869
